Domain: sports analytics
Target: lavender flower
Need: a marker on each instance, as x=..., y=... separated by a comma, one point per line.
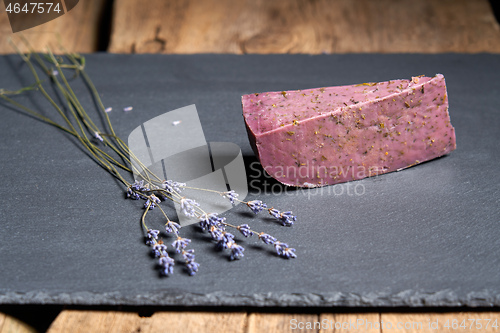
x=288, y=253
x=204, y=221
x=188, y=255
x=139, y=186
x=280, y=247
x=217, y=221
x=227, y=237
x=167, y=265
x=231, y=195
x=98, y=136
x=188, y=207
x=159, y=250
x=245, y=230
x=172, y=226
x=180, y=244
x=286, y=218
x=212, y=219
x=268, y=239
x=155, y=199
x=153, y=233
x=275, y=213
x=236, y=251
x=226, y=240
x=216, y=233
x=149, y=204
x=132, y=195
x=135, y=189
x=256, y=206
x=170, y=186
x=192, y=267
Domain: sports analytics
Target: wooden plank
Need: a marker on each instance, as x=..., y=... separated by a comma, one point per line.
x=76, y=321
x=194, y=322
x=282, y=322
x=435, y=322
x=113, y=321
x=9, y=324
x=121, y=322
x=350, y=322
x=78, y=30
x=303, y=26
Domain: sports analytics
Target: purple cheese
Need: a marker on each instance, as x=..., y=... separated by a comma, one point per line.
x=330, y=135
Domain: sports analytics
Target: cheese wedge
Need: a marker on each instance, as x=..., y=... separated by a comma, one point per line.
x=330, y=135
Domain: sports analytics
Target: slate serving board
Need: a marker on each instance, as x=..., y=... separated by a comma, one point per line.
x=425, y=236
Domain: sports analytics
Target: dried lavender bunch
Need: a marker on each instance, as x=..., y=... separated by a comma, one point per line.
x=113, y=154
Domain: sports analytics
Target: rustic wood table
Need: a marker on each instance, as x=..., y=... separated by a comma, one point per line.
x=239, y=27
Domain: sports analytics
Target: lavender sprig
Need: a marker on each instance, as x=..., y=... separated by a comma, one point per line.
x=286, y=218
x=153, y=234
x=225, y=240
x=192, y=267
x=151, y=202
x=236, y=251
x=159, y=249
x=172, y=227
x=245, y=230
x=172, y=186
x=212, y=219
x=216, y=233
x=180, y=244
x=267, y=239
x=256, y=206
x=188, y=207
x=167, y=265
x=188, y=255
x=231, y=195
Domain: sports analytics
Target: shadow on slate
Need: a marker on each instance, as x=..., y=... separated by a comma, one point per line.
x=427, y=236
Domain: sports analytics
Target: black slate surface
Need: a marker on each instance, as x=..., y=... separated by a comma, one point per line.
x=425, y=236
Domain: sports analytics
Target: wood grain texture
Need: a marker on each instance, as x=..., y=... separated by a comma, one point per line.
x=122, y=322
x=303, y=26
x=112, y=321
x=95, y=321
x=350, y=322
x=10, y=324
x=78, y=30
x=280, y=322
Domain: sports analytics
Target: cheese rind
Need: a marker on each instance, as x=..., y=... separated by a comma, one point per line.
x=325, y=136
